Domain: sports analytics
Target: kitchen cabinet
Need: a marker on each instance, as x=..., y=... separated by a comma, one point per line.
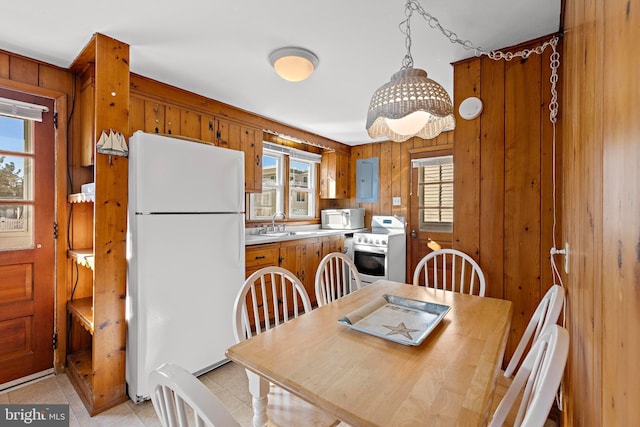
x=299, y=256
x=170, y=120
x=334, y=176
x=248, y=139
x=257, y=257
x=97, y=258
x=302, y=257
x=332, y=244
x=154, y=116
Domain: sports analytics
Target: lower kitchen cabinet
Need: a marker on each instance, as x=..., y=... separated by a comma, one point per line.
x=300, y=256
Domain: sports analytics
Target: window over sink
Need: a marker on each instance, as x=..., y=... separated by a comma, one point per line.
x=288, y=184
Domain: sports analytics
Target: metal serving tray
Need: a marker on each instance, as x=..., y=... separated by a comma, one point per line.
x=403, y=320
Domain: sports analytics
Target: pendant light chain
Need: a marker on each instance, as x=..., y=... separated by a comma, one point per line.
x=407, y=61
x=496, y=55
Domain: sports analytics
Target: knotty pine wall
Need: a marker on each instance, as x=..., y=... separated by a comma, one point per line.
x=601, y=205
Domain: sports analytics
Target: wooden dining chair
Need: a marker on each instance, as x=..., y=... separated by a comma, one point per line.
x=269, y=298
x=336, y=277
x=536, y=382
x=181, y=400
x=451, y=270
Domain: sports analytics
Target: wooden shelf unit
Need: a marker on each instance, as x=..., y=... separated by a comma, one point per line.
x=83, y=257
x=82, y=311
x=96, y=354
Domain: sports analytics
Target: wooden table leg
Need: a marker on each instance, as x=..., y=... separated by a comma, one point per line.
x=259, y=389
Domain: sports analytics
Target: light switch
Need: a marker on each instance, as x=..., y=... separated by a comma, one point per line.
x=396, y=201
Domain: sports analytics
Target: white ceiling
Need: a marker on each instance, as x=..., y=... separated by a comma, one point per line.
x=219, y=49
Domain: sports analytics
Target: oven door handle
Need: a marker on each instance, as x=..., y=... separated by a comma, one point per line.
x=369, y=249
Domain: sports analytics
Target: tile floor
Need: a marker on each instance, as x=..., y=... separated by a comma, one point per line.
x=228, y=382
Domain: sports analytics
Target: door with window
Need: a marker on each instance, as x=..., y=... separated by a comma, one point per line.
x=431, y=207
x=26, y=239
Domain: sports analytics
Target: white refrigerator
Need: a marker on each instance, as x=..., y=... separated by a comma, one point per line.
x=185, y=250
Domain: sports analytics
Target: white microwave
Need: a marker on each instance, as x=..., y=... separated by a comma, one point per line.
x=343, y=219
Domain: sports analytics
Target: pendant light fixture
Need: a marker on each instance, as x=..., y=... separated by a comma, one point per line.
x=410, y=104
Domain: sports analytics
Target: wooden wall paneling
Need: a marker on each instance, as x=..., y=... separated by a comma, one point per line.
x=582, y=171
x=189, y=124
x=397, y=181
x=136, y=115
x=172, y=120
x=55, y=78
x=522, y=192
x=466, y=162
x=23, y=70
x=492, y=176
x=386, y=165
x=621, y=213
x=407, y=199
x=154, y=117
x=4, y=65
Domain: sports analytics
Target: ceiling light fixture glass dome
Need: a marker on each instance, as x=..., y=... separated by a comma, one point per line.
x=293, y=63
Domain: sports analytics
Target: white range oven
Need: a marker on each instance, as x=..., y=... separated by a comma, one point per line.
x=381, y=252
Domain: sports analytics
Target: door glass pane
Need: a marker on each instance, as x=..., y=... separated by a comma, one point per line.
x=16, y=183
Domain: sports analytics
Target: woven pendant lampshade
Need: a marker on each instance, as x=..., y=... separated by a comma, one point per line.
x=409, y=105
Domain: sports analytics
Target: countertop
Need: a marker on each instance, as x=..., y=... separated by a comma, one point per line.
x=293, y=233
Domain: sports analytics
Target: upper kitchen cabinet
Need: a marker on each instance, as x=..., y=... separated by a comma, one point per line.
x=248, y=139
x=334, y=175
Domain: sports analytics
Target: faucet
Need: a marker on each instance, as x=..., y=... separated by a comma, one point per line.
x=273, y=219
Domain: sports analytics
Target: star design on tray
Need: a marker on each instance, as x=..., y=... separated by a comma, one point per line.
x=401, y=329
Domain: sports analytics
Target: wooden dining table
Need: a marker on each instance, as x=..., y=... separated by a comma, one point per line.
x=366, y=380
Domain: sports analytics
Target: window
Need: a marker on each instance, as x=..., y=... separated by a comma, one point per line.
x=435, y=190
x=301, y=188
x=287, y=173
x=270, y=201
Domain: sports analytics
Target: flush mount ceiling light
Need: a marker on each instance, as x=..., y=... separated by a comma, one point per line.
x=410, y=104
x=293, y=63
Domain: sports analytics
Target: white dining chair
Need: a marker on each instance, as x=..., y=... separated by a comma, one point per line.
x=536, y=382
x=546, y=314
x=181, y=400
x=336, y=277
x=269, y=298
x=451, y=270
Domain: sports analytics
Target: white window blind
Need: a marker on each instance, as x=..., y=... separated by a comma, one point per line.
x=293, y=153
x=22, y=110
x=435, y=189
